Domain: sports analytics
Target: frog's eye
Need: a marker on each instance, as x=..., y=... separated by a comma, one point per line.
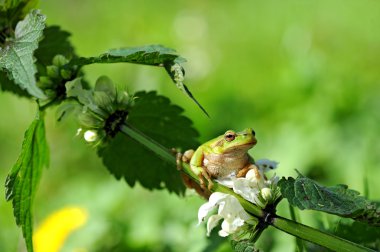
x=229, y=136
x=253, y=133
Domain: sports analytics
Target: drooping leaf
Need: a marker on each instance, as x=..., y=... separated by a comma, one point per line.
x=55, y=41
x=153, y=55
x=243, y=246
x=22, y=181
x=16, y=57
x=305, y=193
x=156, y=117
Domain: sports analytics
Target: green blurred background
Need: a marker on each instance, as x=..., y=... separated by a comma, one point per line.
x=303, y=74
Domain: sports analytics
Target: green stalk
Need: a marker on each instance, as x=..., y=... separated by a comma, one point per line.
x=299, y=243
x=149, y=143
x=291, y=227
x=316, y=236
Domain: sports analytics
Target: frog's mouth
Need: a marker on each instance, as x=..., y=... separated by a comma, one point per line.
x=243, y=147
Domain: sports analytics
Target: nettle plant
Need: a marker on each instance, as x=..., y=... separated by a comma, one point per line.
x=128, y=132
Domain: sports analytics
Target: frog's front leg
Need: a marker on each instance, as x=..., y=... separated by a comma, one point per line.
x=195, y=160
x=197, y=166
x=185, y=158
x=242, y=172
x=202, y=174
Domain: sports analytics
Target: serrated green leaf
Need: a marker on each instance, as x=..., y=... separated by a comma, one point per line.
x=22, y=181
x=305, y=193
x=156, y=117
x=153, y=55
x=55, y=41
x=16, y=57
x=243, y=246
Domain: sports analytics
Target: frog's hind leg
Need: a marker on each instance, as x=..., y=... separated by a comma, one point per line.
x=206, y=175
x=183, y=158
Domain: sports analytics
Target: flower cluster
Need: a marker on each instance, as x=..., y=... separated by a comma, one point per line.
x=229, y=209
x=104, y=110
x=254, y=187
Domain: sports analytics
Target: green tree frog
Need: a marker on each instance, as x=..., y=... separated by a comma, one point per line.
x=223, y=156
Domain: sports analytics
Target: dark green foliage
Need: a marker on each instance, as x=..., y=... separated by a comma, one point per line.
x=7, y=85
x=359, y=232
x=214, y=242
x=16, y=56
x=12, y=11
x=156, y=117
x=22, y=181
x=305, y=193
x=55, y=41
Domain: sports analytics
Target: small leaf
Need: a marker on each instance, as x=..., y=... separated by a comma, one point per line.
x=153, y=55
x=243, y=246
x=305, y=193
x=156, y=117
x=55, y=41
x=17, y=57
x=22, y=181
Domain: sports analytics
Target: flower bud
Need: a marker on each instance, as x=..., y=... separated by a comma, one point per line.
x=266, y=193
x=90, y=135
x=52, y=71
x=66, y=74
x=60, y=60
x=44, y=82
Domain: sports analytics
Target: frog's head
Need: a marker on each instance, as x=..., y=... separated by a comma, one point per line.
x=233, y=141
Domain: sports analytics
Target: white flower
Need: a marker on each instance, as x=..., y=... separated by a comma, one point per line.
x=258, y=190
x=255, y=187
x=229, y=209
x=266, y=193
x=90, y=135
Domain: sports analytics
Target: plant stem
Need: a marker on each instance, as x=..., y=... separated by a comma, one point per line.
x=291, y=227
x=299, y=243
x=149, y=143
x=316, y=236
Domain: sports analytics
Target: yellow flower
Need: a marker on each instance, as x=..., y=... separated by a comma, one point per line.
x=52, y=233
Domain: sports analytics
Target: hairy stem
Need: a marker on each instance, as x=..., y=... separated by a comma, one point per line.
x=291, y=227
